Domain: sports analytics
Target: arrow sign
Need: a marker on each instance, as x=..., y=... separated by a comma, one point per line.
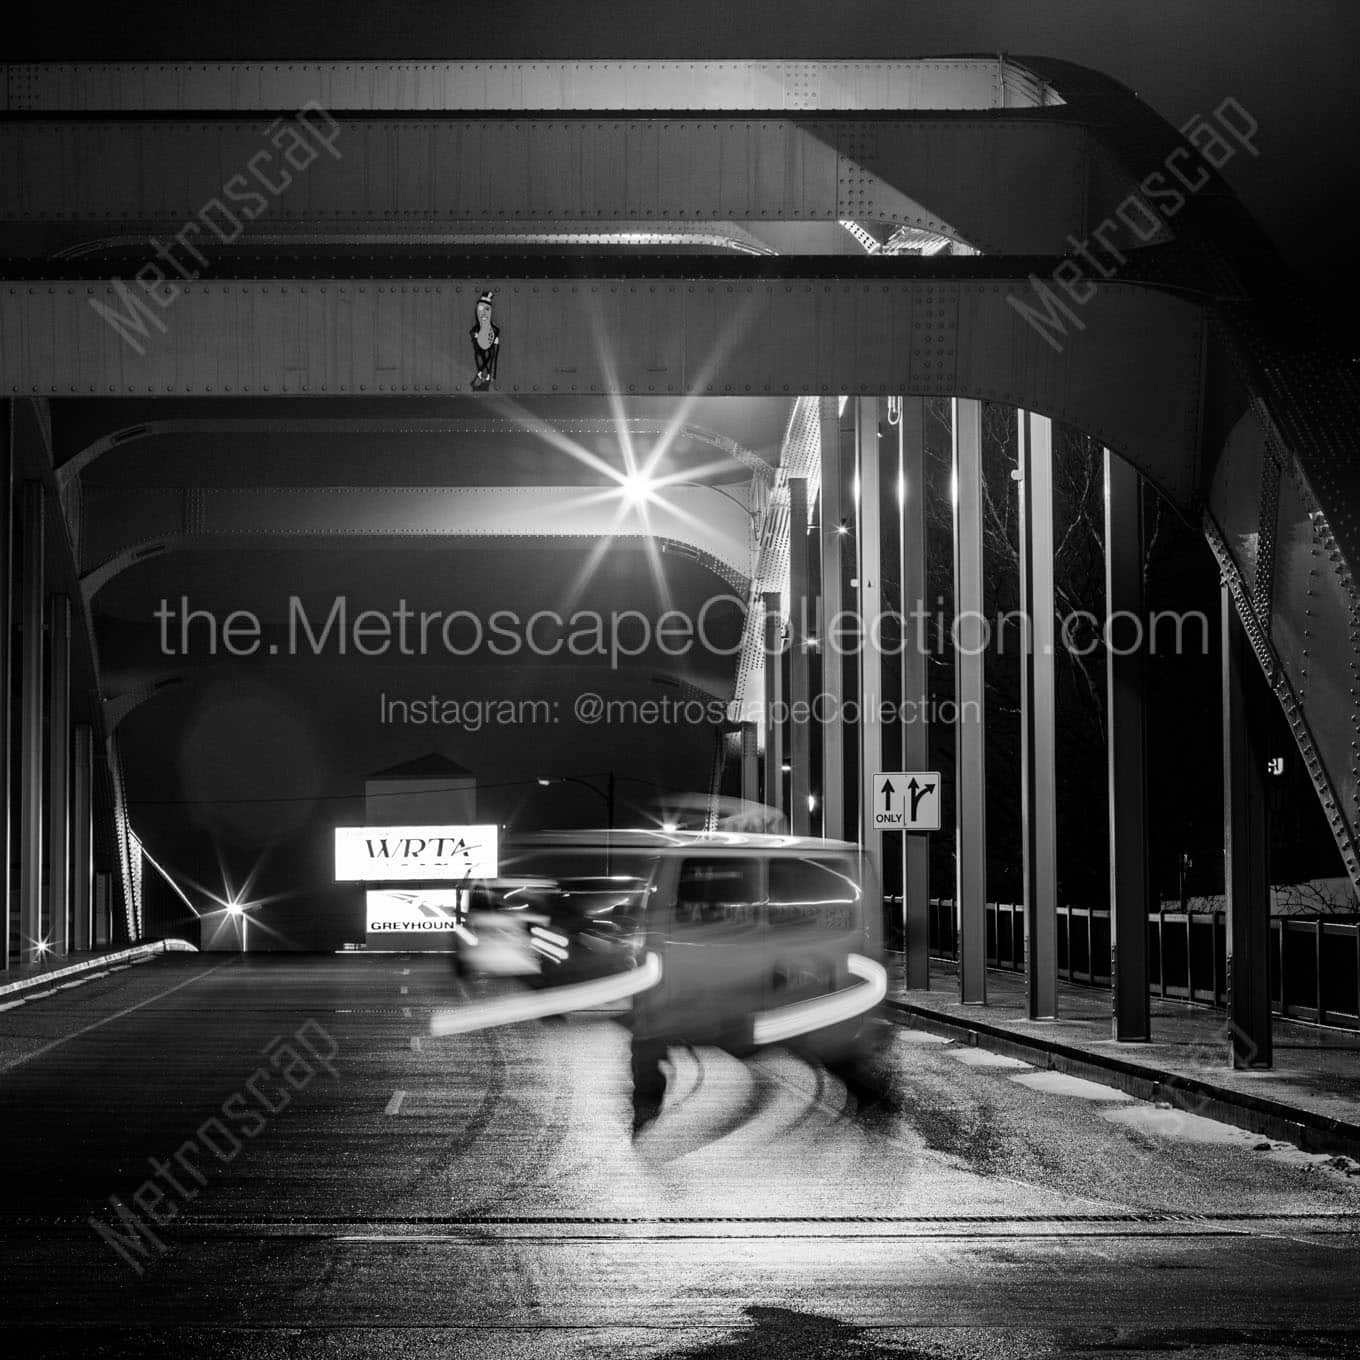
x=906, y=800
x=918, y=791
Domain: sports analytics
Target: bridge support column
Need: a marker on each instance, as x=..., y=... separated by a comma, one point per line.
x=103, y=910
x=970, y=801
x=6, y=694
x=833, y=662
x=1126, y=720
x=870, y=606
x=1038, y=767
x=774, y=701
x=915, y=679
x=59, y=772
x=31, y=933
x=1245, y=850
x=82, y=835
x=800, y=728
x=750, y=763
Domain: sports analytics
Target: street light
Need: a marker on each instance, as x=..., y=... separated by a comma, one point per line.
x=607, y=793
x=238, y=912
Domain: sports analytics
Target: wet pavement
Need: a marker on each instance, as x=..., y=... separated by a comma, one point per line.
x=330, y=1179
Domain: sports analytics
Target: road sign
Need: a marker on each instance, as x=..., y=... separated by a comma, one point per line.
x=906, y=800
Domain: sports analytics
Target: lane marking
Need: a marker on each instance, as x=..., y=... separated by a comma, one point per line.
x=406, y=972
x=415, y=1043
x=394, y=1105
x=109, y=1019
x=405, y=991
x=406, y=1011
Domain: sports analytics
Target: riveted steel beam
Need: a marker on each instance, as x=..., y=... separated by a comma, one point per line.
x=204, y=182
x=644, y=334
x=940, y=83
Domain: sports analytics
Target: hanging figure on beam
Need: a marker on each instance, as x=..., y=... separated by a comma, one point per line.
x=486, y=344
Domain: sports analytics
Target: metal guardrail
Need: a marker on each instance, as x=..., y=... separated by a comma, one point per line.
x=1314, y=960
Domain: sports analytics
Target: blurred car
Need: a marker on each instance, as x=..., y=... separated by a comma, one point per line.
x=499, y=934
x=760, y=939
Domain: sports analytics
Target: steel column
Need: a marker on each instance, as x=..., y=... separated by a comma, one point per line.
x=915, y=679
x=970, y=801
x=774, y=701
x=6, y=623
x=800, y=732
x=82, y=835
x=1245, y=848
x=1126, y=719
x=1038, y=766
x=750, y=763
x=31, y=732
x=869, y=595
x=59, y=772
x=833, y=668
x=103, y=909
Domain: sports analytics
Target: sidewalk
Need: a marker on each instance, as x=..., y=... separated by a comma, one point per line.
x=21, y=982
x=1310, y=1097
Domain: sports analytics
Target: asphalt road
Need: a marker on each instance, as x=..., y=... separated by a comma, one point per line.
x=333, y=1181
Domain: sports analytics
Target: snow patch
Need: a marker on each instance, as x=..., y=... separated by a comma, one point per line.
x=1061, y=1084
x=980, y=1057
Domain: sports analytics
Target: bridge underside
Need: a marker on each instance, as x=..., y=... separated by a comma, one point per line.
x=1184, y=358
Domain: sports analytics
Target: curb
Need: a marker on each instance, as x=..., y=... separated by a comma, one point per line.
x=1270, y=1118
x=72, y=975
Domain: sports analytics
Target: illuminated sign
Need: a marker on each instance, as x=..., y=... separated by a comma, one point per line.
x=376, y=854
x=432, y=912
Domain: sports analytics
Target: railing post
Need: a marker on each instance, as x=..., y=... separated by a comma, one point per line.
x=1245, y=843
x=6, y=692
x=869, y=566
x=59, y=771
x=915, y=677
x=750, y=763
x=33, y=940
x=1318, y=1010
x=800, y=729
x=1126, y=721
x=832, y=555
x=1038, y=771
x=774, y=702
x=82, y=868
x=970, y=769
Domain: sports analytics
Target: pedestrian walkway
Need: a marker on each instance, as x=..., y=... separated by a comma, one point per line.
x=26, y=980
x=1311, y=1095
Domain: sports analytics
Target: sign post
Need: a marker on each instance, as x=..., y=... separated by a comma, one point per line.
x=907, y=801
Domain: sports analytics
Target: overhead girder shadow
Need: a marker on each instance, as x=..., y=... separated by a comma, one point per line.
x=71, y=468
